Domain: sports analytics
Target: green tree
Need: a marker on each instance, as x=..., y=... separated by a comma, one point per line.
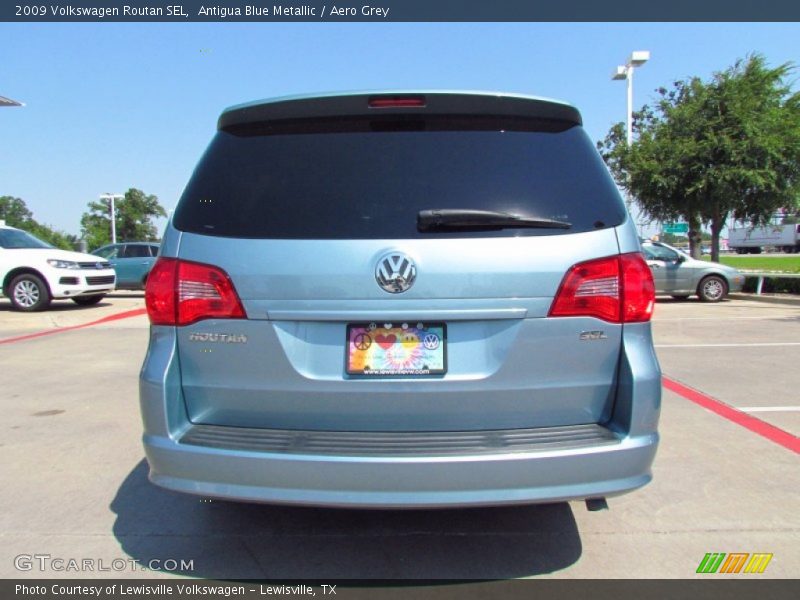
x=134, y=219
x=712, y=149
x=16, y=214
x=59, y=239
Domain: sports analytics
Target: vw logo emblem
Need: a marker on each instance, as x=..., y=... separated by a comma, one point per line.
x=395, y=272
x=430, y=341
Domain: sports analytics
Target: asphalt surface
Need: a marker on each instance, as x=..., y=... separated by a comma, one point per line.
x=75, y=480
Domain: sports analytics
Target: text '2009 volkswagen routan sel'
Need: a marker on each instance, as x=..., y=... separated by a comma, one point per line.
x=400, y=300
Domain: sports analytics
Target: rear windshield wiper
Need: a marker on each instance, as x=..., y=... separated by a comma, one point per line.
x=446, y=219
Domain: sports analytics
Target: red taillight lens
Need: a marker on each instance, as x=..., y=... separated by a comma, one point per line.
x=618, y=289
x=638, y=289
x=159, y=293
x=397, y=102
x=590, y=289
x=180, y=292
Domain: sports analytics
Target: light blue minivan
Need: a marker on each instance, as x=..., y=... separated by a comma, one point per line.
x=416, y=299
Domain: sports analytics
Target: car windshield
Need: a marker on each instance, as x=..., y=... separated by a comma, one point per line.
x=107, y=252
x=13, y=239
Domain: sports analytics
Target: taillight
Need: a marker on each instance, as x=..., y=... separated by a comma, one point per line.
x=638, y=289
x=180, y=292
x=618, y=289
x=159, y=292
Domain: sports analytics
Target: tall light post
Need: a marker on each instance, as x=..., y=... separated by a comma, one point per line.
x=636, y=59
x=111, y=198
x=9, y=102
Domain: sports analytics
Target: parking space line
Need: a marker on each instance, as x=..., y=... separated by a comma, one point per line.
x=115, y=317
x=741, y=345
x=731, y=318
x=769, y=408
x=762, y=428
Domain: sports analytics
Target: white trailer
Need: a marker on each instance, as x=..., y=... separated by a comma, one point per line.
x=751, y=240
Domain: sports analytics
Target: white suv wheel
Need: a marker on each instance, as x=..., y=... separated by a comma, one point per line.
x=29, y=293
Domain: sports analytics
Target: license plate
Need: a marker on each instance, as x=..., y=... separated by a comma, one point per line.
x=396, y=349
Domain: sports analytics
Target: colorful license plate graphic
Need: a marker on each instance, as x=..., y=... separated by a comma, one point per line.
x=396, y=349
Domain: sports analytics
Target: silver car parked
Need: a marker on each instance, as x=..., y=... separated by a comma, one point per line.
x=679, y=275
x=401, y=300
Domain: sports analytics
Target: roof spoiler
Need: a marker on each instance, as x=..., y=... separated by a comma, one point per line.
x=366, y=104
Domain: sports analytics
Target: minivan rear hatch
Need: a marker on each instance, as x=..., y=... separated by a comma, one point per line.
x=301, y=201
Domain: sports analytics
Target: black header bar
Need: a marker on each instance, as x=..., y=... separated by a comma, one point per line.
x=328, y=11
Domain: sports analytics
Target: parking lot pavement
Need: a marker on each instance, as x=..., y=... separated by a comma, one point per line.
x=75, y=482
x=65, y=313
x=742, y=352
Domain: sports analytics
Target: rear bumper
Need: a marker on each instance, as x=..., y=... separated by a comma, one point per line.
x=508, y=467
x=587, y=470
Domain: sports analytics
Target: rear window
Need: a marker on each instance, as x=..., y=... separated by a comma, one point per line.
x=136, y=251
x=359, y=181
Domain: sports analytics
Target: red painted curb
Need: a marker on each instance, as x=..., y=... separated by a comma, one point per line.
x=762, y=428
x=115, y=317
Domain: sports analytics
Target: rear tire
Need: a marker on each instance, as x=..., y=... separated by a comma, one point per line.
x=712, y=289
x=88, y=300
x=29, y=293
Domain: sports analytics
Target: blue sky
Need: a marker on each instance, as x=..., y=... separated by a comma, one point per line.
x=112, y=106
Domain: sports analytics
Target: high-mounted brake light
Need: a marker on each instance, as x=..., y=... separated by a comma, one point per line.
x=180, y=292
x=397, y=102
x=618, y=289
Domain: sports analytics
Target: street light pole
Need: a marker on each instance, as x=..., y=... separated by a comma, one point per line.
x=629, y=118
x=636, y=59
x=111, y=198
x=9, y=102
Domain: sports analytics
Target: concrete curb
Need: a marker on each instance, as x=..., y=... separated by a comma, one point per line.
x=786, y=299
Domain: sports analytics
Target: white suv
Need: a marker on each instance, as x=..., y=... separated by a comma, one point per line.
x=33, y=273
